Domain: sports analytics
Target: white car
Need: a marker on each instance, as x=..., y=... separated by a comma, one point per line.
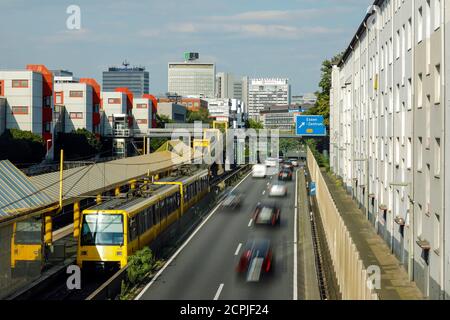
x=259, y=171
x=278, y=190
x=271, y=162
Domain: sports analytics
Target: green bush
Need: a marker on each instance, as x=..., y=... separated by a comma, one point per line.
x=78, y=145
x=139, y=265
x=22, y=148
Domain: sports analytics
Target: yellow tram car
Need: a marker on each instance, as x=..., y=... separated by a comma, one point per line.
x=114, y=230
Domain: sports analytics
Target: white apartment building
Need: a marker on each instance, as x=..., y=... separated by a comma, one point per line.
x=142, y=114
x=390, y=130
x=264, y=92
x=77, y=100
x=114, y=106
x=29, y=102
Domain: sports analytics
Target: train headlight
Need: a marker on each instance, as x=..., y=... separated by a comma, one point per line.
x=84, y=253
x=119, y=253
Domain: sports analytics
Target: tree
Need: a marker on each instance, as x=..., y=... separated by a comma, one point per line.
x=253, y=124
x=23, y=148
x=322, y=106
x=201, y=115
x=78, y=145
x=161, y=120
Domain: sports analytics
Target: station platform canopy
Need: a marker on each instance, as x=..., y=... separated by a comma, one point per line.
x=18, y=194
x=22, y=195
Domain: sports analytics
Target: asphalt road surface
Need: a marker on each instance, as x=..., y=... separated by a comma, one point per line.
x=204, y=266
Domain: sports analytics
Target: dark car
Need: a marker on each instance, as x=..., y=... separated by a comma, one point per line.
x=285, y=175
x=256, y=260
x=267, y=214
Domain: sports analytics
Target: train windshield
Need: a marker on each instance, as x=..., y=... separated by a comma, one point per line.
x=28, y=232
x=102, y=229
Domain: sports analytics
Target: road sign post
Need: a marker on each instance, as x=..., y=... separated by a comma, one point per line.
x=310, y=126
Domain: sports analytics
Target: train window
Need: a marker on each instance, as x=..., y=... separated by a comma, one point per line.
x=154, y=215
x=142, y=225
x=178, y=199
x=132, y=229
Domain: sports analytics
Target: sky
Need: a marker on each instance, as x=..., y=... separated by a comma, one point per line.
x=257, y=38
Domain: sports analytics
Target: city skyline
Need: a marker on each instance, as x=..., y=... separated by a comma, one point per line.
x=117, y=31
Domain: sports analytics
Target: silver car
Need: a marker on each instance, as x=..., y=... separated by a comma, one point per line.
x=278, y=190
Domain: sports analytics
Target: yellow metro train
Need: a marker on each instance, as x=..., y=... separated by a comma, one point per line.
x=112, y=231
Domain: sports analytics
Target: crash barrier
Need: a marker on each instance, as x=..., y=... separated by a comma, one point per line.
x=355, y=282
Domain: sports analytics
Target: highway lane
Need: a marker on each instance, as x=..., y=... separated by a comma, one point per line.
x=205, y=268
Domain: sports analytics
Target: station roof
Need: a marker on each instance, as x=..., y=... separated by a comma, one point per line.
x=90, y=179
x=18, y=194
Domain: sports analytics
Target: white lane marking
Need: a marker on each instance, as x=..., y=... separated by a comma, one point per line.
x=264, y=192
x=238, y=249
x=250, y=223
x=295, y=295
x=185, y=244
x=216, y=297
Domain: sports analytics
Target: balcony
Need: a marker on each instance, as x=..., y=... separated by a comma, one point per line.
x=46, y=114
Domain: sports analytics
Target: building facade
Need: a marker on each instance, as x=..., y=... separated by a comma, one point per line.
x=76, y=99
x=173, y=111
x=280, y=117
x=142, y=114
x=224, y=85
x=191, y=104
x=267, y=92
x=2, y=114
x=390, y=133
x=136, y=79
x=192, y=78
x=29, y=100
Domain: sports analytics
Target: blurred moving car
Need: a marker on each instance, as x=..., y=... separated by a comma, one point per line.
x=256, y=259
x=271, y=162
x=285, y=175
x=267, y=213
x=259, y=171
x=278, y=190
x=232, y=200
x=294, y=162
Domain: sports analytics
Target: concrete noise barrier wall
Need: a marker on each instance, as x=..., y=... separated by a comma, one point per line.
x=352, y=276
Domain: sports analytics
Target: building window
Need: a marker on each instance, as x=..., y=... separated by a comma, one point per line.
x=141, y=106
x=76, y=115
x=420, y=91
x=114, y=101
x=141, y=121
x=409, y=154
x=59, y=97
x=419, y=154
x=19, y=110
x=437, y=14
x=76, y=94
x=397, y=45
x=20, y=83
x=437, y=84
x=437, y=156
x=409, y=94
x=409, y=36
x=420, y=25
x=437, y=233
